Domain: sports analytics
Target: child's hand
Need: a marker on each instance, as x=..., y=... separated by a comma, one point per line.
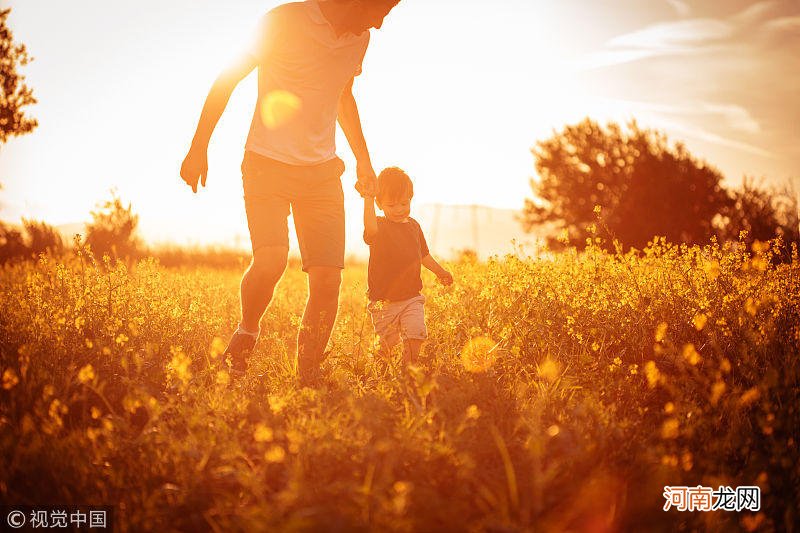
x=445, y=278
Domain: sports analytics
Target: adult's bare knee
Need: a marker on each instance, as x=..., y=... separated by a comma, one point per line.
x=324, y=282
x=269, y=262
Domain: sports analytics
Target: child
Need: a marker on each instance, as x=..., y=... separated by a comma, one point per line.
x=397, y=248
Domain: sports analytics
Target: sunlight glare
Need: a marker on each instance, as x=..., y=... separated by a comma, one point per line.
x=479, y=354
x=278, y=107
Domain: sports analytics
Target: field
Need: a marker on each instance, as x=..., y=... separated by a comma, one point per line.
x=559, y=393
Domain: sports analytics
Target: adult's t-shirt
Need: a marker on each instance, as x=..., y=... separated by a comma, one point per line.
x=303, y=67
x=395, y=254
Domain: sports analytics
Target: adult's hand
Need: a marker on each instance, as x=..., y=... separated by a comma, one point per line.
x=367, y=184
x=195, y=168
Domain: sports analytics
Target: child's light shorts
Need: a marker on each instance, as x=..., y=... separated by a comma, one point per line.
x=401, y=320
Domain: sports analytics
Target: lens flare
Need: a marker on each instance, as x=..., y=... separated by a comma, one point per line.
x=278, y=107
x=479, y=354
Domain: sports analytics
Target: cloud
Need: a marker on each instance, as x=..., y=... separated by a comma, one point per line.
x=682, y=8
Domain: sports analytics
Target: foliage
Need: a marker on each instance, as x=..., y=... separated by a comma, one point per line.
x=762, y=214
x=42, y=237
x=35, y=238
x=645, y=187
x=12, y=243
x=609, y=376
x=112, y=230
x=14, y=94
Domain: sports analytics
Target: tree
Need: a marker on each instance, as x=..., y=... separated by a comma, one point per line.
x=644, y=187
x=14, y=94
x=759, y=213
x=112, y=230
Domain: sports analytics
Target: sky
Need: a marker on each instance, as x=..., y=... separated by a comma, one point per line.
x=456, y=92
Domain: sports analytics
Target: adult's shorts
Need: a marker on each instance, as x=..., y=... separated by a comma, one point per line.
x=313, y=194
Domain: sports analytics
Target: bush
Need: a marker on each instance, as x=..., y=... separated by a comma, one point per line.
x=112, y=230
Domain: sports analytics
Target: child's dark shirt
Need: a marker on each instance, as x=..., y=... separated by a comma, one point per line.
x=395, y=254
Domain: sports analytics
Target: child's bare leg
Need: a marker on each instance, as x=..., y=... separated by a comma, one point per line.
x=411, y=349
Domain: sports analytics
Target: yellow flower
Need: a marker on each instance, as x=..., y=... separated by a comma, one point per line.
x=699, y=321
x=10, y=379
x=479, y=354
x=179, y=364
x=217, y=347
x=712, y=269
x=717, y=390
x=86, y=374
x=275, y=454
x=652, y=374
x=661, y=332
x=750, y=307
x=749, y=396
x=263, y=433
x=473, y=412
x=223, y=378
x=690, y=354
x=549, y=370
x=669, y=429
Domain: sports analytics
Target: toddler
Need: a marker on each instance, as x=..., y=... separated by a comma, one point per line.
x=397, y=250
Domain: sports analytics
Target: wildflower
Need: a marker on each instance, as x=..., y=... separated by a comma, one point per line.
x=263, y=433
x=717, y=390
x=553, y=430
x=549, y=370
x=597, y=210
x=223, y=378
x=179, y=364
x=275, y=454
x=276, y=403
x=690, y=354
x=10, y=379
x=750, y=307
x=749, y=396
x=661, y=332
x=217, y=347
x=479, y=354
x=652, y=374
x=699, y=321
x=669, y=407
x=669, y=429
x=86, y=374
x=711, y=269
x=473, y=413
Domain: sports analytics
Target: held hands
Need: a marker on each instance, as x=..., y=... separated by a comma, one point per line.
x=195, y=167
x=367, y=184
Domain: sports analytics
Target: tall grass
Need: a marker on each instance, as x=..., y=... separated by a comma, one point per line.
x=554, y=394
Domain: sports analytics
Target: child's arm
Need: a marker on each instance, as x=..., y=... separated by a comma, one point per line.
x=444, y=276
x=370, y=220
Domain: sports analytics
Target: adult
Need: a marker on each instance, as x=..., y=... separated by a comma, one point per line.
x=307, y=54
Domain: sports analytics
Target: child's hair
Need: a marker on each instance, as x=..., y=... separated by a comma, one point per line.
x=394, y=183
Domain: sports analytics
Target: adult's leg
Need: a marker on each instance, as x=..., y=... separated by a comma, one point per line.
x=258, y=283
x=318, y=319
